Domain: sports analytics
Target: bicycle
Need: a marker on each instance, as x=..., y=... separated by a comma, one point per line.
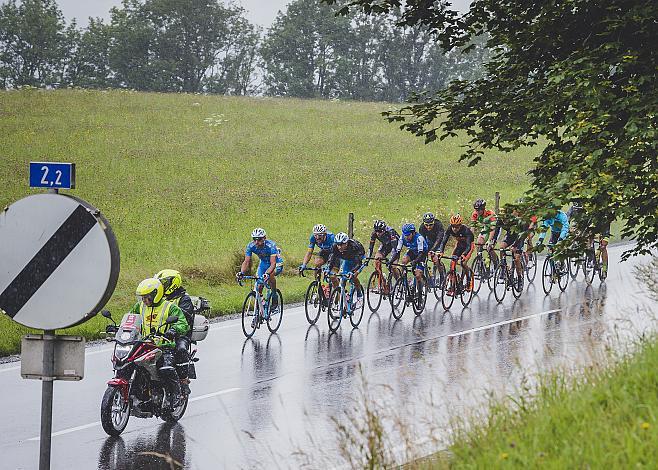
x=407, y=291
x=456, y=284
x=256, y=310
x=438, y=276
x=316, y=299
x=506, y=277
x=594, y=263
x=379, y=286
x=554, y=272
x=481, y=270
x=343, y=304
x=529, y=263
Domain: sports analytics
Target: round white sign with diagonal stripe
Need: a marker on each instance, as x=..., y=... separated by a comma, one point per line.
x=59, y=261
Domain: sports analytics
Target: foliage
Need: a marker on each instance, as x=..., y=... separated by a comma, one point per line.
x=579, y=74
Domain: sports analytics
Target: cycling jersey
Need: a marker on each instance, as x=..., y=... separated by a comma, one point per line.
x=354, y=252
x=433, y=235
x=417, y=244
x=464, y=237
x=388, y=238
x=325, y=245
x=558, y=224
x=264, y=252
x=483, y=221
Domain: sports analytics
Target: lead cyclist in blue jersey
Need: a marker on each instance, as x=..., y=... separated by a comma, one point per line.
x=416, y=250
x=324, y=240
x=271, y=262
x=559, y=225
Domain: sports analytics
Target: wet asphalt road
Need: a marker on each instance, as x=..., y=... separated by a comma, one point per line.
x=273, y=401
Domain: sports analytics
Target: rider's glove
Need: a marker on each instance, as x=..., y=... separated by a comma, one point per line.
x=350, y=275
x=239, y=275
x=302, y=267
x=266, y=277
x=170, y=335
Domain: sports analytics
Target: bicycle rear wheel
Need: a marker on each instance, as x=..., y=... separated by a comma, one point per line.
x=517, y=282
x=531, y=267
x=547, y=276
x=335, y=310
x=250, y=310
x=500, y=282
x=562, y=268
x=357, y=313
x=313, y=302
x=399, y=297
x=375, y=291
x=574, y=267
x=276, y=314
x=591, y=268
x=439, y=276
x=479, y=273
x=420, y=296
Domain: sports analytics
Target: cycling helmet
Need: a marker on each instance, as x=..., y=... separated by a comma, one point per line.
x=479, y=204
x=170, y=279
x=150, y=288
x=456, y=220
x=428, y=218
x=258, y=233
x=379, y=226
x=341, y=237
x=408, y=229
x=319, y=229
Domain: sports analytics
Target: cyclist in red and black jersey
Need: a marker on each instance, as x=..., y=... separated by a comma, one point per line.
x=465, y=244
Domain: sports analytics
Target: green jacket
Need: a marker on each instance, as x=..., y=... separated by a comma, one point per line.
x=154, y=317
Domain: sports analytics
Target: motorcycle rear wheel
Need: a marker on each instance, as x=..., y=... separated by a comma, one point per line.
x=178, y=412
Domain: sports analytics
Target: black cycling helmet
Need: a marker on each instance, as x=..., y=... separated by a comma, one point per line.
x=479, y=204
x=379, y=226
x=428, y=218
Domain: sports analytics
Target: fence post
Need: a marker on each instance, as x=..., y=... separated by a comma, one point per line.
x=350, y=225
x=497, y=202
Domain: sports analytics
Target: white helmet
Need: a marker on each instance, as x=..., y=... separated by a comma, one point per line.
x=258, y=233
x=341, y=237
x=319, y=228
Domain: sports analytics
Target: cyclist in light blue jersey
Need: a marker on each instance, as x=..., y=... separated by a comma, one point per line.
x=559, y=225
x=416, y=250
x=324, y=240
x=271, y=262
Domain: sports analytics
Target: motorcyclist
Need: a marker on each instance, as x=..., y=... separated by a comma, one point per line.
x=174, y=292
x=155, y=310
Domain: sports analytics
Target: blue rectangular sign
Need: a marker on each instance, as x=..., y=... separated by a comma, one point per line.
x=52, y=175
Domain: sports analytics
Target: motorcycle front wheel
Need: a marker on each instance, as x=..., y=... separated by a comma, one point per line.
x=115, y=411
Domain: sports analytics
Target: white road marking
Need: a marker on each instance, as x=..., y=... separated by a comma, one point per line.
x=98, y=423
x=512, y=320
x=9, y=369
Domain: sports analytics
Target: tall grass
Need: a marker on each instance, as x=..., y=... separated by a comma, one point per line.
x=183, y=192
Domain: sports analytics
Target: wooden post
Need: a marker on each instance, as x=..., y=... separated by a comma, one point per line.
x=350, y=225
x=497, y=202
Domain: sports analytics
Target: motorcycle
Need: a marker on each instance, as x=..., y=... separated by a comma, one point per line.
x=136, y=389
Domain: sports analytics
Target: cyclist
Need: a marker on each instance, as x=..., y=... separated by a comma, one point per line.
x=433, y=231
x=349, y=254
x=271, y=262
x=174, y=292
x=416, y=251
x=465, y=244
x=324, y=240
x=517, y=231
x=559, y=226
x=485, y=220
x=577, y=213
x=388, y=238
x=155, y=310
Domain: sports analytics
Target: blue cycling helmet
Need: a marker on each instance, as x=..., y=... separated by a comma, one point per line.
x=408, y=229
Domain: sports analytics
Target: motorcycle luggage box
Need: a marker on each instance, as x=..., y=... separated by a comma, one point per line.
x=200, y=328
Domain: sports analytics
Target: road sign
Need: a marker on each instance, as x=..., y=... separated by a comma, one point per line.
x=68, y=360
x=52, y=175
x=60, y=261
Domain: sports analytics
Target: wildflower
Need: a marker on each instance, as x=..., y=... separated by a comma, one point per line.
x=645, y=425
x=504, y=455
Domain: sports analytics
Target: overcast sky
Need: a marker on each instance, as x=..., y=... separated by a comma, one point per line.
x=260, y=12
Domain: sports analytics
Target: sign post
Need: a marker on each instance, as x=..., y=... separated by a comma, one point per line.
x=60, y=265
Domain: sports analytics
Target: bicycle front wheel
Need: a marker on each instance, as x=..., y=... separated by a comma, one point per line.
x=375, y=290
x=574, y=267
x=276, y=312
x=419, y=296
x=335, y=310
x=500, y=282
x=590, y=269
x=479, y=274
x=547, y=276
x=449, y=290
x=439, y=276
x=250, y=310
x=357, y=313
x=313, y=302
x=531, y=267
x=399, y=297
x=517, y=282
x=466, y=287
x=562, y=268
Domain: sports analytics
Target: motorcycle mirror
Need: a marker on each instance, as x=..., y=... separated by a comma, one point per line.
x=106, y=314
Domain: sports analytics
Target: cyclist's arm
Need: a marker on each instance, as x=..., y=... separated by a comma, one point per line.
x=272, y=267
x=470, y=240
x=372, y=245
x=307, y=256
x=245, y=264
x=444, y=241
x=395, y=254
x=565, y=226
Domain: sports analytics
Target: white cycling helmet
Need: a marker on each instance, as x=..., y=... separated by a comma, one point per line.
x=341, y=237
x=319, y=228
x=258, y=233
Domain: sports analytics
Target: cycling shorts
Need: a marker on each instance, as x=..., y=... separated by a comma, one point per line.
x=265, y=265
x=324, y=254
x=555, y=237
x=386, y=249
x=349, y=265
x=460, y=249
x=412, y=255
x=510, y=239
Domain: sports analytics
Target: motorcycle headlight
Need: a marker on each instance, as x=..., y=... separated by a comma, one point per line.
x=122, y=350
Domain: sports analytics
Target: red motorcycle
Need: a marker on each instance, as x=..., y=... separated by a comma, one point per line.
x=136, y=389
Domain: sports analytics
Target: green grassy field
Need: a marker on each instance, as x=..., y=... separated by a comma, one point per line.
x=606, y=417
x=182, y=193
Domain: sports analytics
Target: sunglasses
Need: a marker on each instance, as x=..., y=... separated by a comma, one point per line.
x=258, y=239
x=428, y=224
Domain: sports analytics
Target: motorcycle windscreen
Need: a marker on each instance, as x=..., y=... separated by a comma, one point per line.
x=130, y=329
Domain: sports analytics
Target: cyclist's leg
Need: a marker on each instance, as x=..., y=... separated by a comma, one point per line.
x=262, y=267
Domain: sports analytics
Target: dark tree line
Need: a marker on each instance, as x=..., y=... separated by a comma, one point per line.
x=209, y=46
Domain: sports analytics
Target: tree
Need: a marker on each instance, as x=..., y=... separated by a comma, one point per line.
x=90, y=62
x=34, y=43
x=575, y=74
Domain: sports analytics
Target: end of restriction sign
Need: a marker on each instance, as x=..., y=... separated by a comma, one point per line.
x=52, y=175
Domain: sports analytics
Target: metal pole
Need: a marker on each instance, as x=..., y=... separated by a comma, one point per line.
x=47, y=398
x=497, y=202
x=350, y=225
